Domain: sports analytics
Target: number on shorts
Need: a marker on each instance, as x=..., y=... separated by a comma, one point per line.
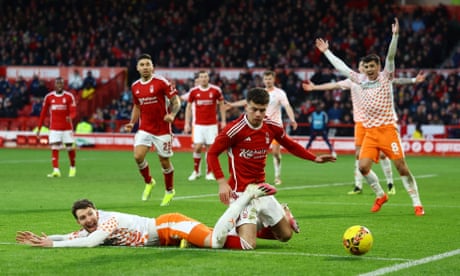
x=394, y=147
x=167, y=147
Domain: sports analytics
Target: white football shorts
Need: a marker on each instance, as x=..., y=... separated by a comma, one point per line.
x=60, y=136
x=162, y=143
x=204, y=134
x=266, y=210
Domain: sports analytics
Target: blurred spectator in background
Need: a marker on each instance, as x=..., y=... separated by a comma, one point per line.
x=88, y=91
x=318, y=126
x=4, y=85
x=36, y=106
x=39, y=91
x=89, y=80
x=418, y=133
x=335, y=113
x=84, y=127
x=76, y=81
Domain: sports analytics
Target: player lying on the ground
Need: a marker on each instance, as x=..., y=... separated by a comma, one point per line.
x=113, y=228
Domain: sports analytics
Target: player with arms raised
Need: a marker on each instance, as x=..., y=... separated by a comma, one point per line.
x=380, y=120
x=358, y=117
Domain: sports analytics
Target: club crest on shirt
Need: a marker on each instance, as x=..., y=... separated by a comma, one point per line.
x=152, y=89
x=267, y=138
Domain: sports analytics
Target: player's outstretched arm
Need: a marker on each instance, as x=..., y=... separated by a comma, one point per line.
x=310, y=86
x=30, y=238
x=325, y=158
x=390, y=59
x=323, y=46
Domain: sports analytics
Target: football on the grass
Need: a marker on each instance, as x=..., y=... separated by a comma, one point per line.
x=357, y=240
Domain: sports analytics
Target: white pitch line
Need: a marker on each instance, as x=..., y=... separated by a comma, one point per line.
x=35, y=161
x=252, y=252
x=412, y=263
x=296, y=187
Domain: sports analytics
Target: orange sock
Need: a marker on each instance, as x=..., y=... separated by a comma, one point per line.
x=198, y=235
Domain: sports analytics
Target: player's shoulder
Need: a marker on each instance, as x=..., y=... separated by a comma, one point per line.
x=50, y=94
x=136, y=82
x=236, y=126
x=159, y=78
x=194, y=89
x=271, y=123
x=68, y=94
x=215, y=87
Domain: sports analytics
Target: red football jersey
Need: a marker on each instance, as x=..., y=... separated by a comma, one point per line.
x=247, y=149
x=62, y=109
x=152, y=98
x=205, y=100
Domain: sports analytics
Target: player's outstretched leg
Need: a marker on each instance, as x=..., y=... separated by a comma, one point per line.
x=227, y=221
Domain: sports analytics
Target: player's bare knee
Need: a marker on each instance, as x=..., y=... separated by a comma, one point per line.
x=139, y=158
x=286, y=236
x=364, y=170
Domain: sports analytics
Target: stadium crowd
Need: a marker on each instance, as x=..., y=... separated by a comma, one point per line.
x=233, y=34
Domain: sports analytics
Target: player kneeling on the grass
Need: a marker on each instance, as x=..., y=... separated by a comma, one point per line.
x=247, y=141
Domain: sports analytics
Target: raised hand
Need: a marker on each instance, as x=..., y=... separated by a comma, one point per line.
x=322, y=44
x=420, y=77
x=395, y=27
x=308, y=86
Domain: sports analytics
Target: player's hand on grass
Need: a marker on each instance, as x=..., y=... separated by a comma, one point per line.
x=325, y=158
x=26, y=237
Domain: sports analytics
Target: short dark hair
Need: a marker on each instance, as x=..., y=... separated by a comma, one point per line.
x=370, y=58
x=258, y=95
x=269, y=73
x=81, y=204
x=145, y=56
x=202, y=72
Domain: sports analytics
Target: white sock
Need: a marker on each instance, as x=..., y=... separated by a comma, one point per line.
x=277, y=166
x=358, y=176
x=387, y=171
x=411, y=187
x=228, y=220
x=373, y=181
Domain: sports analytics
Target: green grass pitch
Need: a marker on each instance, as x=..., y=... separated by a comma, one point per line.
x=317, y=195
